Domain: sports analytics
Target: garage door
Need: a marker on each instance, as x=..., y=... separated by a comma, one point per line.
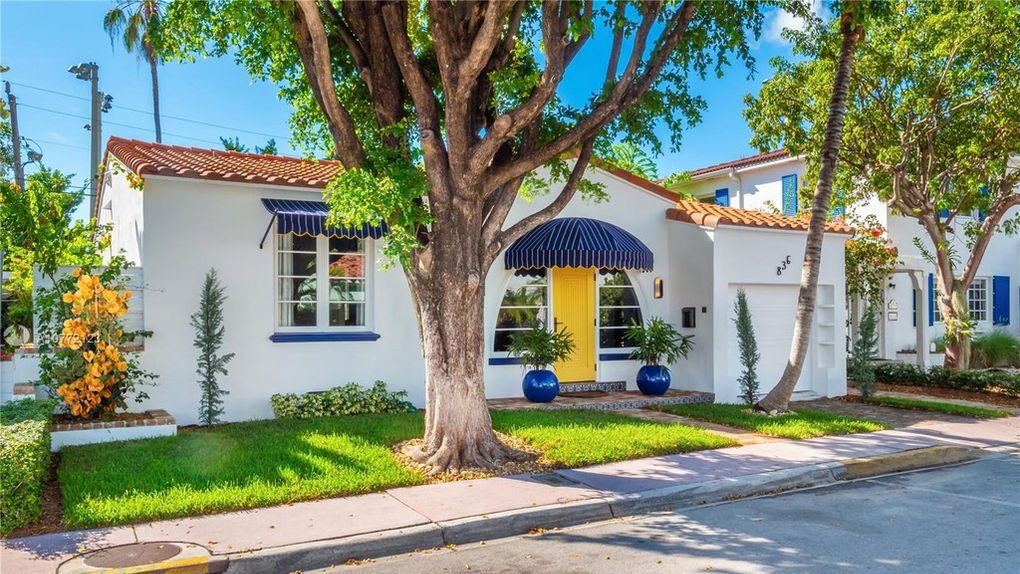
x=772, y=311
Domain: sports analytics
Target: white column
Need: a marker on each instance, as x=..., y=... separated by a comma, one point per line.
x=921, y=333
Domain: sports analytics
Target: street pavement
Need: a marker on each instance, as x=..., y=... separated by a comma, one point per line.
x=959, y=520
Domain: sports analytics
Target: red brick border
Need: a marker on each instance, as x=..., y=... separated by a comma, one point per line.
x=155, y=418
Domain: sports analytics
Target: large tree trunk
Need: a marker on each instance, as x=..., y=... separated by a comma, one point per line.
x=450, y=300
x=153, y=65
x=954, y=316
x=778, y=398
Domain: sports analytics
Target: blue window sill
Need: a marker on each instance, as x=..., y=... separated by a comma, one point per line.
x=504, y=361
x=322, y=336
x=615, y=357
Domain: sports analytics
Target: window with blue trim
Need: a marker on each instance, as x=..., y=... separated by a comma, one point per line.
x=618, y=309
x=321, y=282
x=525, y=305
x=722, y=197
x=790, y=194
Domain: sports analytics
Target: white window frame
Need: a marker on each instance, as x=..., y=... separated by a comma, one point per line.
x=491, y=345
x=984, y=282
x=322, y=290
x=598, y=311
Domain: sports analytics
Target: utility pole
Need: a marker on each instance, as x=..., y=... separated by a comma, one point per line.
x=101, y=103
x=19, y=169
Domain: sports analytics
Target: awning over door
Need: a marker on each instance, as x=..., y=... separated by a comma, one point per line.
x=309, y=218
x=578, y=242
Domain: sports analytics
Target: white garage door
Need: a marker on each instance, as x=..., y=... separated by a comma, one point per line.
x=772, y=312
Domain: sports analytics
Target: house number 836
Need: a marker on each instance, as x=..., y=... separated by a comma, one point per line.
x=783, y=266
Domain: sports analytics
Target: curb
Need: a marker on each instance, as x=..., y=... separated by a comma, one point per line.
x=857, y=468
x=332, y=552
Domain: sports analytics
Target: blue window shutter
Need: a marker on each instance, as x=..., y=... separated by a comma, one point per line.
x=931, y=299
x=839, y=211
x=1000, y=300
x=722, y=197
x=944, y=213
x=982, y=215
x=790, y=194
x=914, y=293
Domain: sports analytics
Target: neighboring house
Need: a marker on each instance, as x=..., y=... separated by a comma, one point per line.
x=770, y=182
x=310, y=307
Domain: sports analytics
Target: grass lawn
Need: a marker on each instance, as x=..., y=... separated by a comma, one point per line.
x=263, y=463
x=936, y=406
x=572, y=438
x=805, y=423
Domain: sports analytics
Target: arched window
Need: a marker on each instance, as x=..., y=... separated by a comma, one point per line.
x=525, y=305
x=618, y=308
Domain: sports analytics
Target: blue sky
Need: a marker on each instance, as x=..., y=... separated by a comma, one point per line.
x=212, y=98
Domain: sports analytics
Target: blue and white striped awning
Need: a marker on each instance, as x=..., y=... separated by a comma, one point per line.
x=309, y=218
x=578, y=242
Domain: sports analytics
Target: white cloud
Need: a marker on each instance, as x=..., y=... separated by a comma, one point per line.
x=780, y=20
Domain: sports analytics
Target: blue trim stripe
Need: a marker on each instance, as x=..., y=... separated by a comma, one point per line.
x=504, y=361
x=317, y=337
x=309, y=218
x=615, y=357
x=578, y=242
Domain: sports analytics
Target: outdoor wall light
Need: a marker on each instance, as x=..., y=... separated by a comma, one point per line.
x=658, y=288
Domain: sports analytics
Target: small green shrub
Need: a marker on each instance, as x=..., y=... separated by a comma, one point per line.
x=350, y=399
x=24, y=461
x=962, y=379
x=996, y=348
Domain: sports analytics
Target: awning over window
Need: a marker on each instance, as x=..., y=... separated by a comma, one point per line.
x=309, y=218
x=578, y=242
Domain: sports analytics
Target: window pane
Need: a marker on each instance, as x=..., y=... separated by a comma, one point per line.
x=291, y=242
x=502, y=341
x=617, y=297
x=297, y=289
x=613, y=339
x=297, y=314
x=346, y=265
x=612, y=277
x=618, y=317
x=523, y=277
x=346, y=314
x=296, y=264
x=525, y=297
x=346, y=245
x=347, y=290
x=524, y=318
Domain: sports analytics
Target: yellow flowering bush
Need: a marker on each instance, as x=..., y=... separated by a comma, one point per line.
x=87, y=367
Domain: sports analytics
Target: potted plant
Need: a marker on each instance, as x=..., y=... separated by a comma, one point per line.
x=658, y=344
x=539, y=348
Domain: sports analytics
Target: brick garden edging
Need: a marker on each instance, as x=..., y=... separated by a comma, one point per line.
x=157, y=422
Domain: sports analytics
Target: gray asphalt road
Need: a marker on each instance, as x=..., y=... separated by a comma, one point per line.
x=961, y=520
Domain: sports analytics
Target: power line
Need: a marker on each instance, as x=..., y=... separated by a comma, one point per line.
x=148, y=112
x=62, y=113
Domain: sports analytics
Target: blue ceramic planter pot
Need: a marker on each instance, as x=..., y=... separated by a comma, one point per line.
x=541, y=386
x=653, y=379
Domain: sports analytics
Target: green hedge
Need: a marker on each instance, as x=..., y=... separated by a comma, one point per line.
x=24, y=461
x=350, y=399
x=963, y=379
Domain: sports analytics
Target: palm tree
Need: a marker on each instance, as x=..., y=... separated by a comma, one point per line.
x=851, y=32
x=134, y=21
x=630, y=157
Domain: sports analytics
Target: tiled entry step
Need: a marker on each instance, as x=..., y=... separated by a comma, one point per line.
x=605, y=386
x=609, y=402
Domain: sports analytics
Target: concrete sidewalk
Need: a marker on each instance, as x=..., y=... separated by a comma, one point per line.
x=319, y=533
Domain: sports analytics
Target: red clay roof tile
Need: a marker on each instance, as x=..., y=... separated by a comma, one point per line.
x=742, y=162
x=711, y=215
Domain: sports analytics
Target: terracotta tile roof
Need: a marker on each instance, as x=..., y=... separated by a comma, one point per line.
x=144, y=158
x=711, y=215
x=742, y=162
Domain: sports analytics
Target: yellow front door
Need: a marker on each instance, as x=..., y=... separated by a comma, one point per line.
x=574, y=309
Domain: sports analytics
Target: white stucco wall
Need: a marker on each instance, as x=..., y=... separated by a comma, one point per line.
x=749, y=258
x=122, y=207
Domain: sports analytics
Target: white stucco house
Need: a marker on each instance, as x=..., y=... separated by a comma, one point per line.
x=910, y=318
x=310, y=307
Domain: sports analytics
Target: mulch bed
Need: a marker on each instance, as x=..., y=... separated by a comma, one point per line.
x=976, y=396
x=52, y=519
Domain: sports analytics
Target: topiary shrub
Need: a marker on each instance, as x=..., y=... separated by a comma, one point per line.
x=350, y=399
x=862, y=371
x=24, y=460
